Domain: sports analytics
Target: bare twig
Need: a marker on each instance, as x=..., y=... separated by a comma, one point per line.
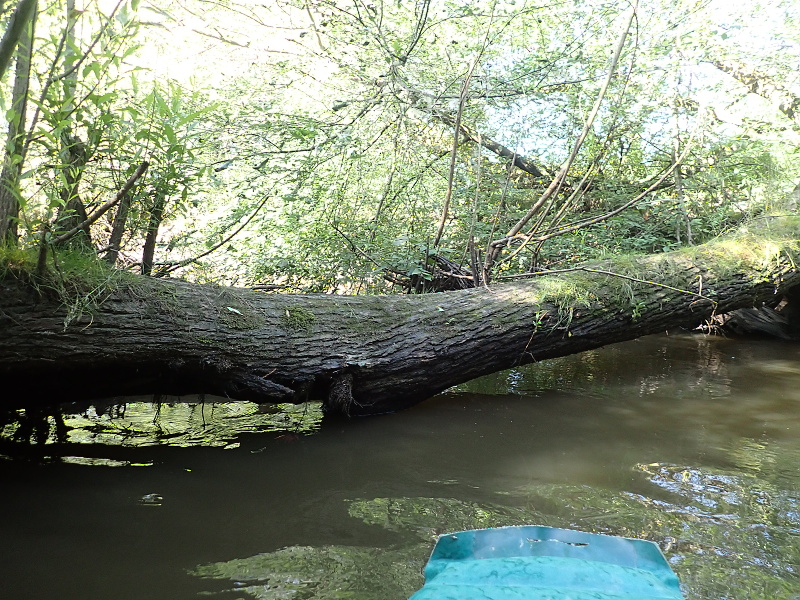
x=599, y=219
x=189, y=261
x=105, y=207
x=656, y=185
x=457, y=126
x=354, y=247
x=496, y=247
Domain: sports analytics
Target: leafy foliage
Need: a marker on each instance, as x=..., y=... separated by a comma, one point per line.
x=328, y=126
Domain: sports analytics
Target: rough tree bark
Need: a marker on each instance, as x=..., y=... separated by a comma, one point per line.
x=362, y=354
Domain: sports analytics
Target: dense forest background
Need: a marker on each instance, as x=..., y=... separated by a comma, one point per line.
x=371, y=146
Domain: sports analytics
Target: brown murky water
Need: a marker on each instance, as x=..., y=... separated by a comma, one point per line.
x=689, y=441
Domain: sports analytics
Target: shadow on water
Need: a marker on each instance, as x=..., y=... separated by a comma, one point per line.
x=689, y=441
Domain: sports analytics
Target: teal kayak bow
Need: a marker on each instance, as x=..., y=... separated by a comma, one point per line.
x=546, y=563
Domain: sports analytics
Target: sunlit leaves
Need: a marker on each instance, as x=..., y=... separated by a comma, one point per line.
x=342, y=112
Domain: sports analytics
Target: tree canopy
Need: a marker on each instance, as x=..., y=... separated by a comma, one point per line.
x=373, y=146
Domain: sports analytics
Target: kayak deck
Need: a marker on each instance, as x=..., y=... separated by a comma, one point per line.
x=546, y=563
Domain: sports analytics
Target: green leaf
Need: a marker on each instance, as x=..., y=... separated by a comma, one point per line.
x=161, y=105
x=169, y=133
x=123, y=16
x=302, y=133
x=194, y=114
x=92, y=67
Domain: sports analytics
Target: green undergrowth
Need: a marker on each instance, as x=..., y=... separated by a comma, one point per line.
x=625, y=281
x=567, y=292
x=753, y=250
x=80, y=282
x=16, y=261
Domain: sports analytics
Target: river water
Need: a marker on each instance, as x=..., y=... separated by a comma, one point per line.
x=686, y=440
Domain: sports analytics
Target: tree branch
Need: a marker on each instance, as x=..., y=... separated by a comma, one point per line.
x=766, y=87
x=495, y=248
x=105, y=207
x=189, y=261
x=23, y=15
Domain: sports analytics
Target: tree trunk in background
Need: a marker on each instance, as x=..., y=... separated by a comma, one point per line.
x=73, y=152
x=370, y=354
x=118, y=228
x=73, y=211
x=13, y=157
x=15, y=31
x=149, y=250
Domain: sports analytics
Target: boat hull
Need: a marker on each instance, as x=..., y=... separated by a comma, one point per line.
x=546, y=563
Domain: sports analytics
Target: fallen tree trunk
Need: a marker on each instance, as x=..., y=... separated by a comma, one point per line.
x=370, y=354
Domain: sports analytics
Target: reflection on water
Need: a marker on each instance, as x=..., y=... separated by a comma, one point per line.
x=212, y=422
x=689, y=441
x=303, y=572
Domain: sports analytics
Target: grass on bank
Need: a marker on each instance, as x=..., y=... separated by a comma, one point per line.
x=80, y=281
